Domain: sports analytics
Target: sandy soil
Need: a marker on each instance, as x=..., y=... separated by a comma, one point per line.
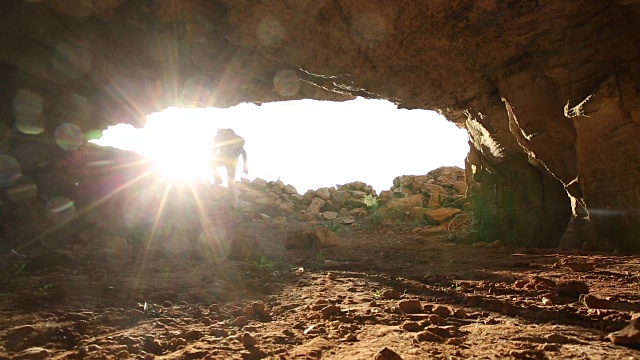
x=383, y=293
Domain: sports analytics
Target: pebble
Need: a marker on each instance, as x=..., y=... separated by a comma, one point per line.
x=443, y=311
x=428, y=336
x=387, y=354
x=248, y=341
x=410, y=306
x=240, y=321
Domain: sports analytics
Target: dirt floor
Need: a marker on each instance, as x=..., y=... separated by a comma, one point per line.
x=382, y=293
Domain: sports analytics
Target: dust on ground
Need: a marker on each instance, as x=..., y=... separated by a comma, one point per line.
x=382, y=293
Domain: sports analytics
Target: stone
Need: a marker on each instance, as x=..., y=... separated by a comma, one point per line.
x=32, y=353
x=308, y=196
x=290, y=189
x=400, y=209
x=442, y=310
x=359, y=212
x=410, y=306
x=385, y=197
x=297, y=199
x=325, y=238
x=330, y=215
x=347, y=220
x=594, y=302
x=315, y=206
x=387, y=354
x=572, y=289
x=411, y=326
x=391, y=294
x=240, y=321
x=575, y=265
x=248, y=341
x=330, y=310
x=323, y=193
x=246, y=248
x=627, y=336
x=439, y=216
x=339, y=197
x=306, y=239
x=259, y=184
x=428, y=336
x=302, y=239
x=287, y=207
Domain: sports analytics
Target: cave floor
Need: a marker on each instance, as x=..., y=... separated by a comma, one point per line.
x=420, y=297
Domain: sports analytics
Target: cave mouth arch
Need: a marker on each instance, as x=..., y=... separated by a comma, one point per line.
x=308, y=143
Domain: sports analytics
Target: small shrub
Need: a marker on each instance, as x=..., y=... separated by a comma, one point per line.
x=370, y=201
x=335, y=227
x=318, y=262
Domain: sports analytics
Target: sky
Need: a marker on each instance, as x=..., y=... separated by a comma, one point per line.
x=306, y=143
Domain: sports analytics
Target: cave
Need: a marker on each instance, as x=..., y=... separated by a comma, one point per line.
x=547, y=90
x=531, y=252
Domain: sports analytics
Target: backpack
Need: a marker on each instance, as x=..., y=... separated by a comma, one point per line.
x=229, y=143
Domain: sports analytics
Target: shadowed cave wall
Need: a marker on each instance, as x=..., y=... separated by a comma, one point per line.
x=548, y=90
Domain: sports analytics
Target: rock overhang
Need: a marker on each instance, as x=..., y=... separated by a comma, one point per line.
x=506, y=71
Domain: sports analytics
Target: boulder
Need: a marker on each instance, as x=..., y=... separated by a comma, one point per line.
x=440, y=215
x=400, y=209
x=316, y=205
x=289, y=189
x=306, y=239
x=339, y=197
x=259, y=184
x=323, y=193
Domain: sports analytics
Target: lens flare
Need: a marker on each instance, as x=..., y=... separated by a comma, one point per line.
x=286, y=82
x=69, y=136
x=71, y=61
x=27, y=110
x=60, y=209
x=9, y=170
x=212, y=239
x=369, y=29
x=23, y=189
x=74, y=108
x=270, y=32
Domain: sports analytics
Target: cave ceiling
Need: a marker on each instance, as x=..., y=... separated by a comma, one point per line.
x=548, y=90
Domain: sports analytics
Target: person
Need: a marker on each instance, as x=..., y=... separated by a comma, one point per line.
x=228, y=147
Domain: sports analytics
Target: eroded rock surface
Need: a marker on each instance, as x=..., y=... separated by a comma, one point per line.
x=548, y=90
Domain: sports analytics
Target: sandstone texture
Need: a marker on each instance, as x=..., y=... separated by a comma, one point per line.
x=548, y=90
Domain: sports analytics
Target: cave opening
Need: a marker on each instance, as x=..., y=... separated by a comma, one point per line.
x=306, y=143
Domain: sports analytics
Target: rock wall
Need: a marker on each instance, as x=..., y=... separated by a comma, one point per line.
x=548, y=90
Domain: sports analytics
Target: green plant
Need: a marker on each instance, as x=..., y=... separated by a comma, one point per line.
x=376, y=217
x=43, y=291
x=271, y=265
x=335, y=227
x=370, y=201
x=318, y=262
x=377, y=293
x=19, y=268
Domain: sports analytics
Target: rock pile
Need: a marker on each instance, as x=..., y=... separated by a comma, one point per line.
x=432, y=198
x=342, y=204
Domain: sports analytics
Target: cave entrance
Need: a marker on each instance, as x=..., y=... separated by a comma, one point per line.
x=306, y=143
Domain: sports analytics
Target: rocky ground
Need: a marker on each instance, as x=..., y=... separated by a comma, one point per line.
x=394, y=291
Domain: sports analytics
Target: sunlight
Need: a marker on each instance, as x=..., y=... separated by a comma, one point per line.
x=308, y=144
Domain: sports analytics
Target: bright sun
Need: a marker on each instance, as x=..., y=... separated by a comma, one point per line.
x=308, y=144
x=180, y=147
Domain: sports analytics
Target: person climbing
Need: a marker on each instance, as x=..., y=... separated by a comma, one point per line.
x=228, y=147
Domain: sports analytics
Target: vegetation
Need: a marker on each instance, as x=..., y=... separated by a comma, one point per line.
x=370, y=201
x=318, y=262
x=270, y=265
x=335, y=227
